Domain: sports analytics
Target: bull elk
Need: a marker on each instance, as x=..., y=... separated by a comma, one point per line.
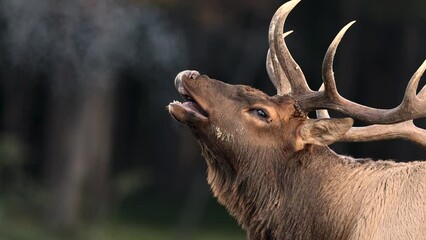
x=271, y=167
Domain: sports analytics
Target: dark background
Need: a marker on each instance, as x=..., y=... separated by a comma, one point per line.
x=87, y=147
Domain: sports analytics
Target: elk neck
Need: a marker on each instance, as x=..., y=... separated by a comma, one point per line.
x=271, y=194
x=259, y=188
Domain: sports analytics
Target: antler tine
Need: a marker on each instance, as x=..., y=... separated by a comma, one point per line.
x=276, y=74
x=327, y=65
x=273, y=68
x=270, y=69
x=422, y=93
x=277, y=44
x=411, y=90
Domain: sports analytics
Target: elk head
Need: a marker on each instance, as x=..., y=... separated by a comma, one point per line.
x=235, y=118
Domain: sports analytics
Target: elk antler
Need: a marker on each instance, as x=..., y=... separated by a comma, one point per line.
x=283, y=70
x=403, y=130
x=412, y=106
x=275, y=72
x=288, y=78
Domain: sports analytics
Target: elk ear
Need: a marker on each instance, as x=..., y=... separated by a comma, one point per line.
x=322, y=131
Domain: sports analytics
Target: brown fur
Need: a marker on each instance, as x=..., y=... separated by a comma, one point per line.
x=280, y=180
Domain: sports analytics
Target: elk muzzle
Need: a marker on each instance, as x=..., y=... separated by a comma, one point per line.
x=191, y=111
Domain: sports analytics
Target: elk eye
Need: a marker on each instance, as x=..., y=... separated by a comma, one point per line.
x=262, y=113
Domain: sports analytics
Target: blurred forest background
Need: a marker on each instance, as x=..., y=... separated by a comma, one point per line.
x=87, y=147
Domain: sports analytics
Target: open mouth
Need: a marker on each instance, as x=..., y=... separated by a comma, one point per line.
x=191, y=110
x=190, y=103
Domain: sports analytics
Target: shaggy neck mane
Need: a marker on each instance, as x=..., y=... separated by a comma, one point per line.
x=255, y=187
x=272, y=195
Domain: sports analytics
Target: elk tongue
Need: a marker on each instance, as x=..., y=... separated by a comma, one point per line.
x=195, y=107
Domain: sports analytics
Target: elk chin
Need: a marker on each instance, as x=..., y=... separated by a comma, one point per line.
x=188, y=113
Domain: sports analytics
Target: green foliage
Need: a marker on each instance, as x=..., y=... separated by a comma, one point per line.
x=27, y=229
x=142, y=217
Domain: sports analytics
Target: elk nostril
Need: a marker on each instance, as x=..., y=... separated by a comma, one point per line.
x=193, y=74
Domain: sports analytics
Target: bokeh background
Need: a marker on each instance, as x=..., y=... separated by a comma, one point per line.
x=87, y=147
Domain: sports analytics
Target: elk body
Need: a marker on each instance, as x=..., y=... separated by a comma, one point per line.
x=270, y=166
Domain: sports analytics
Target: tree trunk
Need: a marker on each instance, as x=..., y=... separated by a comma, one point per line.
x=78, y=155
